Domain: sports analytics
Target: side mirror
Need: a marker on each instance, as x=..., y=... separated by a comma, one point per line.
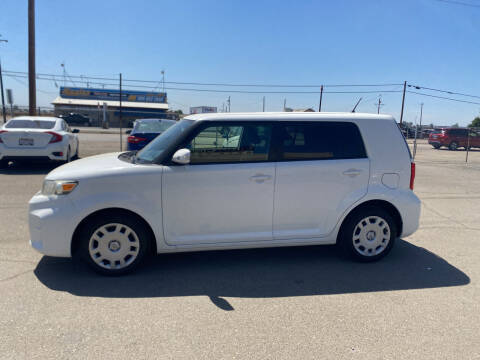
x=181, y=157
x=75, y=131
x=128, y=132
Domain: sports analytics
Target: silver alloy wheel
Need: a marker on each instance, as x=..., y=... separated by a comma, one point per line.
x=114, y=246
x=371, y=236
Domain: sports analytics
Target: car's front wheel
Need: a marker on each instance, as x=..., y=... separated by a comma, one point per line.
x=114, y=244
x=368, y=234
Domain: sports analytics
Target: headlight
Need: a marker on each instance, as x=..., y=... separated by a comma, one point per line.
x=58, y=187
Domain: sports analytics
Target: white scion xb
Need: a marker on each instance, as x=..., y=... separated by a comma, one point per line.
x=231, y=181
x=37, y=138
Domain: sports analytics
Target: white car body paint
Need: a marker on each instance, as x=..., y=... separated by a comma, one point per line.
x=11, y=149
x=234, y=206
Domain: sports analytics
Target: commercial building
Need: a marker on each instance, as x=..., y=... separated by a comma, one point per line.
x=100, y=104
x=203, y=109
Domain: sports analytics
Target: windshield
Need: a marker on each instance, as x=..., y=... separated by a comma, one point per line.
x=152, y=126
x=30, y=124
x=156, y=148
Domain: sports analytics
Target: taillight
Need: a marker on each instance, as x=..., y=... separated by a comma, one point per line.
x=135, y=139
x=55, y=137
x=412, y=175
x=2, y=131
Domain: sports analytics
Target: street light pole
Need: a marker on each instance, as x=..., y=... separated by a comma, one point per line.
x=32, y=88
x=1, y=89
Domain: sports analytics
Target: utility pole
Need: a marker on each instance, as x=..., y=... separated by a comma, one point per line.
x=1, y=88
x=403, y=102
x=120, y=114
x=228, y=104
x=284, y=104
x=321, y=96
x=421, y=114
x=264, y=104
x=379, y=104
x=163, y=81
x=32, y=87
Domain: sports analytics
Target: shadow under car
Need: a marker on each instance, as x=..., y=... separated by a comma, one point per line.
x=257, y=273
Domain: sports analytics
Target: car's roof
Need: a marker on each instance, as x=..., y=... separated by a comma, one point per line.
x=287, y=116
x=36, y=118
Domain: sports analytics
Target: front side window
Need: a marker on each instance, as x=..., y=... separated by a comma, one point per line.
x=321, y=141
x=156, y=148
x=231, y=143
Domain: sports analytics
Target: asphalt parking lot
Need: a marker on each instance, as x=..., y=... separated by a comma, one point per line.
x=421, y=302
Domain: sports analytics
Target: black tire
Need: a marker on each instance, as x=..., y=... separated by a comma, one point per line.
x=69, y=156
x=348, y=244
x=95, y=225
x=453, y=146
x=76, y=157
x=436, y=146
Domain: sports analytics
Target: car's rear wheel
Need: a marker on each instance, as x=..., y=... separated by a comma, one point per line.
x=113, y=244
x=453, y=145
x=368, y=234
x=436, y=146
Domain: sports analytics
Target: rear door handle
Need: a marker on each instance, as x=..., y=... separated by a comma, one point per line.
x=260, y=178
x=352, y=172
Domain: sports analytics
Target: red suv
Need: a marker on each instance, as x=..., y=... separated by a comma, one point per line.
x=453, y=138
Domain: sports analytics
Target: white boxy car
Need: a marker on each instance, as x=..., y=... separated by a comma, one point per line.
x=37, y=138
x=233, y=181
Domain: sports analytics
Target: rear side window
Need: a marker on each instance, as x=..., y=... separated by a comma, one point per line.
x=321, y=141
x=457, y=132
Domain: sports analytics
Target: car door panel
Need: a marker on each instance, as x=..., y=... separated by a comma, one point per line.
x=226, y=193
x=310, y=196
x=218, y=203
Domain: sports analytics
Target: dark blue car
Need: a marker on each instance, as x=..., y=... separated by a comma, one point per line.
x=145, y=130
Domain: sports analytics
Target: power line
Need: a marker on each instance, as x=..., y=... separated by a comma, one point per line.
x=444, y=91
x=443, y=97
x=221, y=90
x=454, y=2
x=81, y=77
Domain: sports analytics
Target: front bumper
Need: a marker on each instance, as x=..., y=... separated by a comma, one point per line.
x=51, y=224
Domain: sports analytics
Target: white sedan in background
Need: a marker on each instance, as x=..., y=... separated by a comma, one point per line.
x=37, y=138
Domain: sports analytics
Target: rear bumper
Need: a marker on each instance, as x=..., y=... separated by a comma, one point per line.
x=435, y=143
x=409, y=206
x=34, y=154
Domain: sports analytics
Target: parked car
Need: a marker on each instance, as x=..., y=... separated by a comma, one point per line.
x=145, y=130
x=289, y=179
x=77, y=119
x=454, y=138
x=37, y=138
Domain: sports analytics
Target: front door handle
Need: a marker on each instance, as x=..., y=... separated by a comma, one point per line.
x=260, y=178
x=352, y=172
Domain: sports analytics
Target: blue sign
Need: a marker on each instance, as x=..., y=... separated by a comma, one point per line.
x=112, y=95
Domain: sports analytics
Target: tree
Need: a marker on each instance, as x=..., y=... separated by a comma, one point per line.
x=475, y=122
x=455, y=125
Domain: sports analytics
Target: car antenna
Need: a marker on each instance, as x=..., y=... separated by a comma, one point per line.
x=358, y=102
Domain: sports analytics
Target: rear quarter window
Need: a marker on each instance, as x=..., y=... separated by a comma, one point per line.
x=321, y=141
